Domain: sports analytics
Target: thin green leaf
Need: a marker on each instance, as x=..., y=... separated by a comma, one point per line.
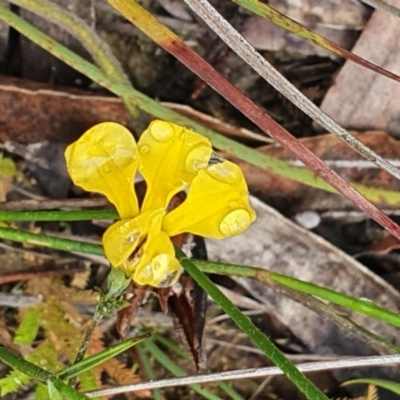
x=26, y=367
x=98, y=358
x=244, y=323
x=169, y=365
x=169, y=344
x=364, y=307
x=393, y=387
x=73, y=215
x=57, y=386
x=149, y=371
x=50, y=241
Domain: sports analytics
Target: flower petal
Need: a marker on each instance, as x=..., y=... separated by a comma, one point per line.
x=170, y=158
x=105, y=160
x=216, y=206
x=159, y=267
x=123, y=241
x=142, y=250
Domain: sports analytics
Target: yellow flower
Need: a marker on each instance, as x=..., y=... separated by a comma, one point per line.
x=171, y=159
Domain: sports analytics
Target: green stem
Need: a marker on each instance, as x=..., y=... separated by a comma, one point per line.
x=360, y=306
x=73, y=215
x=245, y=324
x=50, y=241
x=98, y=49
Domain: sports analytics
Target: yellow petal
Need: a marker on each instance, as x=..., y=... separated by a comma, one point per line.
x=123, y=241
x=142, y=250
x=105, y=160
x=216, y=206
x=170, y=157
x=159, y=266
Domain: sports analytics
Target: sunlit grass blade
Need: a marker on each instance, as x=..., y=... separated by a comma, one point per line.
x=100, y=357
x=281, y=20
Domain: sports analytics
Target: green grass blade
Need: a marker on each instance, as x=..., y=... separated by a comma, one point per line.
x=149, y=371
x=181, y=353
x=57, y=386
x=21, y=365
x=50, y=241
x=393, y=387
x=244, y=323
x=98, y=358
x=169, y=365
x=364, y=307
x=73, y=215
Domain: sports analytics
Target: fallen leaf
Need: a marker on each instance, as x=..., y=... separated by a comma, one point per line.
x=361, y=99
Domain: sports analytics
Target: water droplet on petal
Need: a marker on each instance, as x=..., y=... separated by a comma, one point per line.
x=198, y=158
x=161, y=131
x=189, y=144
x=133, y=237
x=235, y=222
x=184, y=136
x=166, y=270
x=224, y=173
x=144, y=149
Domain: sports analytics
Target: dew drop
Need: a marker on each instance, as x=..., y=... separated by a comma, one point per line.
x=145, y=149
x=226, y=173
x=189, y=144
x=133, y=237
x=161, y=131
x=235, y=222
x=165, y=269
x=198, y=158
x=184, y=136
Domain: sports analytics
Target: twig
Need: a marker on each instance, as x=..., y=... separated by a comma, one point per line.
x=250, y=373
x=246, y=51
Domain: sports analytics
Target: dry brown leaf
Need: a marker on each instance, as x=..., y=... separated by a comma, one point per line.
x=361, y=99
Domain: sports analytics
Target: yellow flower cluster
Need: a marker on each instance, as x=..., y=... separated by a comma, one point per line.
x=171, y=159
